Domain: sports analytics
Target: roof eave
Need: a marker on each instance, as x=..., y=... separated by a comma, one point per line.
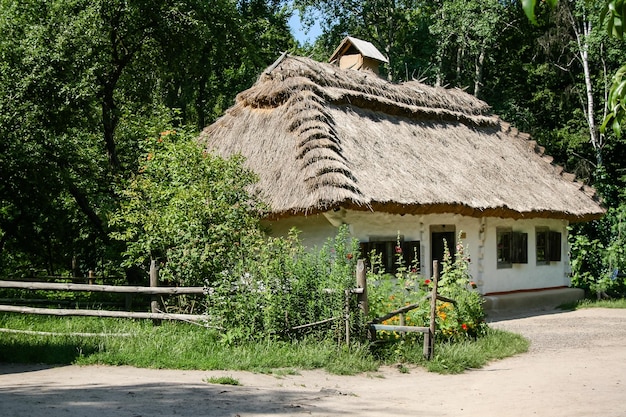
x=422, y=209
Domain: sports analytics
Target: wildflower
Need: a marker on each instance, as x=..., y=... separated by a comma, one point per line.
x=426, y=281
x=472, y=284
x=398, y=249
x=464, y=326
x=349, y=256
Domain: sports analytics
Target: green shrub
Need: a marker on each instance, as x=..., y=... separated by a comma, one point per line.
x=599, y=263
x=459, y=321
x=280, y=286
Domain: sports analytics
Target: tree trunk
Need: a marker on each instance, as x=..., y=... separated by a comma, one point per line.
x=459, y=57
x=480, y=65
x=109, y=123
x=582, y=33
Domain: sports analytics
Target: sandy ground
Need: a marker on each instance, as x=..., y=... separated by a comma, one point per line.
x=576, y=367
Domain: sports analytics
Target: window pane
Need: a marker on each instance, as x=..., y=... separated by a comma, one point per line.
x=541, y=246
x=504, y=248
x=554, y=246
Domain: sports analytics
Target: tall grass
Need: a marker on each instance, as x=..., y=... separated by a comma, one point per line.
x=183, y=346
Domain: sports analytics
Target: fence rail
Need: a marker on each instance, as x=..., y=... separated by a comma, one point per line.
x=156, y=314
x=153, y=290
x=122, y=289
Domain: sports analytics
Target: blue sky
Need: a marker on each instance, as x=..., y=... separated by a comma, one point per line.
x=300, y=33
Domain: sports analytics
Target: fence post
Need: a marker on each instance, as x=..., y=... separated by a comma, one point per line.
x=429, y=338
x=92, y=278
x=347, y=315
x=361, y=282
x=154, y=282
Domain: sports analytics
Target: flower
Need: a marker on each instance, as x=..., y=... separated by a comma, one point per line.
x=472, y=284
x=349, y=256
x=398, y=249
x=426, y=281
x=464, y=326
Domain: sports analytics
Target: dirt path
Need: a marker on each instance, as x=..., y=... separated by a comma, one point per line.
x=576, y=367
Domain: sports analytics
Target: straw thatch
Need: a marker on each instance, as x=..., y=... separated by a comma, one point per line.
x=320, y=137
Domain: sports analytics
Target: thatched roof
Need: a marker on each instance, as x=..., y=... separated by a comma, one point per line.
x=320, y=137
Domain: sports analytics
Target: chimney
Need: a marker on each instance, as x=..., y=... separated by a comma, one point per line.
x=353, y=53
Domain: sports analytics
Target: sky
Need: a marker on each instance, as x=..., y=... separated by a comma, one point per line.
x=300, y=33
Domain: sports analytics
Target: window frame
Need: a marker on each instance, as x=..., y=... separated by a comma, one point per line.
x=410, y=250
x=543, y=233
x=511, y=247
x=552, y=246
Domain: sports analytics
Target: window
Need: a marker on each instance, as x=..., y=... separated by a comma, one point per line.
x=541, y=245
x=548, y=246
x=387, y=249
x=512, y=247
x=554, y=246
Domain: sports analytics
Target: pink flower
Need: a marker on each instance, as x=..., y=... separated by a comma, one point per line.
x=398, y=249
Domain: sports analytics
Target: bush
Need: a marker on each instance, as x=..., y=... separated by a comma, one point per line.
x=280, y=286
x=599, y=263
x=460, y=321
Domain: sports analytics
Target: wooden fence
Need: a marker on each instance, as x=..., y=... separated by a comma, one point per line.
x=157, y=314
x=154, y=290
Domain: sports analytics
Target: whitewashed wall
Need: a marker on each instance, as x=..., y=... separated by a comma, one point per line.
x=479, y=240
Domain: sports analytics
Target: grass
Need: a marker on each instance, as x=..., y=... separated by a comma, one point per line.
x=175, y=345
x=612, y=303
x=223, y=380
x=594, y=303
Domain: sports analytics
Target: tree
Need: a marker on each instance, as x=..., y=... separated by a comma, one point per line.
x=466, y=33
x=82, y=83
x=187, y=209
x=613, y=15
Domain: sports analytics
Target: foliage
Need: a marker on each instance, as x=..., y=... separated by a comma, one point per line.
x=598, y=264
x=279, y=285
x=82, y=83
x=455, y=322
x=187, y=209
x=467, y=317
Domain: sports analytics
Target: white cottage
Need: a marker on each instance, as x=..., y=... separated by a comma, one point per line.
x=335, y=146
